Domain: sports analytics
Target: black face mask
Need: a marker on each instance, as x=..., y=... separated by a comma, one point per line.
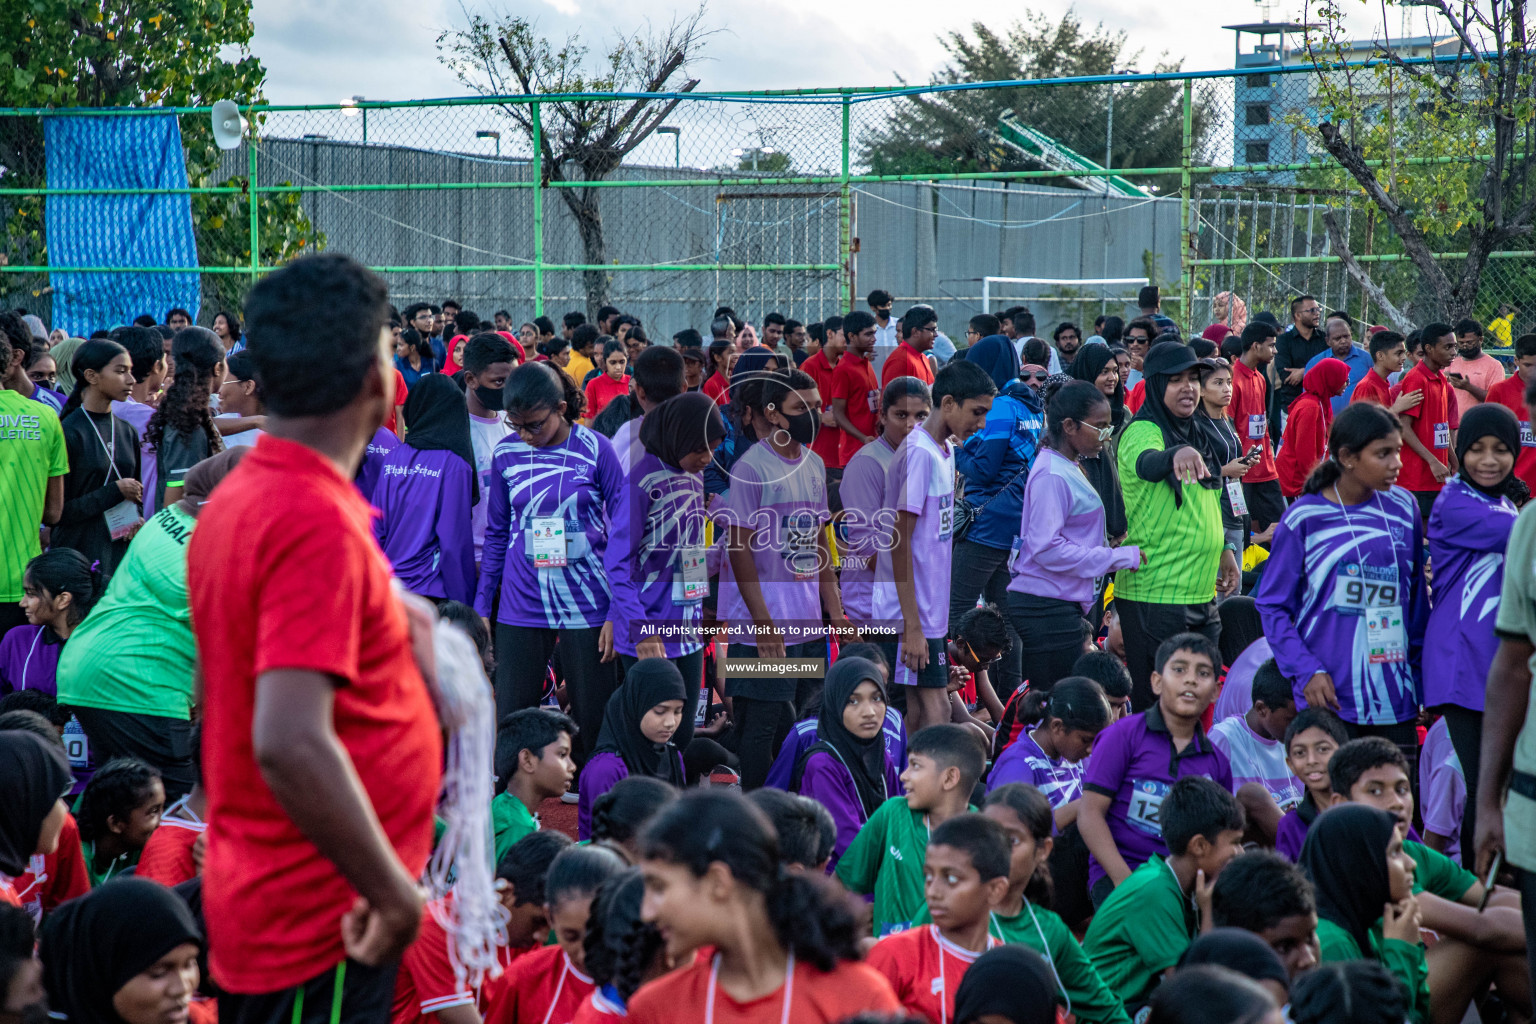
x=489, y=397
x=803, y=427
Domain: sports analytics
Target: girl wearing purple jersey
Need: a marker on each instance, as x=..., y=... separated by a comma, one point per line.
x=1066, y=719
x=655, y=556
x=59, y=587
x=1469, y=528
x=1342, y=597
x=552, y=484
x=864, y=526
x=778, y=574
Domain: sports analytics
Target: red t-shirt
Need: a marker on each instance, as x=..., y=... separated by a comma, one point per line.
x=1250, y=418
x=596, y=1009
x=717, y=388
x=906, y=361
x=853, y=380
x=1304, y=444
x=1373, y=387
x=55, y=878
x=167, y=857
x=1136, y=396
x=425, y=982
x=392, y=423
x=1510, y=393
x=542, y=987
x=1433, y=420
x=924, y=969
x=817, y=997
x=283, y=572
x=829, y=440
x=601, y=390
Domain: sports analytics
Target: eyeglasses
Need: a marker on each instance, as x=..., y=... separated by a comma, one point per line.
x=531, y=428
x=1104, y=432
x=1034, y=376
x=969, y=331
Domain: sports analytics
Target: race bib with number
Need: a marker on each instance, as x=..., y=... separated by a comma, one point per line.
x=1442, y=435
x=122, y=518
x=546, y=542
x=1257, y=424
x=1385, y=639
x=1146, y=803
x=1527, y=440
x=873, y=398
x=798, y=534
x=1358, y=587
x=76, y=747
x=1236, y=497
x=691, y=585
x=946, y=516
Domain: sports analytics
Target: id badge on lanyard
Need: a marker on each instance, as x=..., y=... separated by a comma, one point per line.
x=1236, y=497
x=546, y=542
x=1385, y=639
x=122, y=518
x=692, y=583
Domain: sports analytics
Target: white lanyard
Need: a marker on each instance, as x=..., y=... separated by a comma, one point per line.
x=110, y=450
x=183, y=806
x=933, y=932
x=714, y=973
x=1354, y=540
x=1045, y=949
x=28, y=662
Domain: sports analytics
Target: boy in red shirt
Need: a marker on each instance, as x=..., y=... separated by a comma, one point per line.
x=1429, y=428
x=1510, y=393
x=855, y=391
x=919, y=327
x=965, y=878
x=1250, y=418
x=427, y=986
x=322, y=749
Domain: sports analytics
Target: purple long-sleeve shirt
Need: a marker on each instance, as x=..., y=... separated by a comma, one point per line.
x=1330, y=568
x=804, y=733
x=1059, y=779
x=1468, y=532
x=600, y=774
x=577, y=482
x=655, y=558
x=382, y=443
x=826, y=781
x=1061, y=537
x=424, y=526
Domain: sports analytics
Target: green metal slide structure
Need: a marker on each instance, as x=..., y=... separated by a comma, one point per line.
x=1038, y=147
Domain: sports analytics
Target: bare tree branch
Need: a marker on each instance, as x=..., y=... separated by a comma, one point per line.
x=1352, y=266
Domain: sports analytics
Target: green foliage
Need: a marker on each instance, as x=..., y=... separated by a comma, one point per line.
x=950, y=132
x=765, y=161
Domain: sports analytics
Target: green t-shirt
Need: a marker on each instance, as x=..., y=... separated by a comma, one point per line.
x=1517, y=620
x=31, y=451
x=1141, y=930
x=510, y=821
x=886, y=858
x=1182, y=543
x=110, y=871
x=1404, y=960
x=1437, y=874
x=135, y=651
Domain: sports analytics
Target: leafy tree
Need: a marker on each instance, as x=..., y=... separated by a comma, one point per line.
x=83, y=53
x=1473, y=117
x=764, y=161
x=951, y=131
x=583, y=139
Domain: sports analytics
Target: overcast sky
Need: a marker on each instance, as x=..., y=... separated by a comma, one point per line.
x=320, y=51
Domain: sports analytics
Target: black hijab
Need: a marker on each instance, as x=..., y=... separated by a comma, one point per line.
x=1345, y=856
x=34, y=774
x=436, y=419
x=92, y=946
x=996, y=354
x=1488, y=419
x=680, y=426
x=1240, y=626
x=647, y=684
x=864, y=759
x=1011, y=982
x=1090, y=362
x=1177, y=431
x=1238, y=950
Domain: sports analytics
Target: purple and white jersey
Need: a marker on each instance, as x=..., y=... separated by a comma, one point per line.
x=485, y=433
x=571, y=486
x=865, y=529
x=383, y=442
x=1442, y=787
x=784, y=503
x=1256, y=759
x=52, y=399
x=1237, y=691
x=1333, y=575
x=137, y=414
x=655, y=558
x=423, y=525
x=803, y=736
x=626, y=444
x=1059, y=779
x=921, y=480
x=1468, y=532
x=27, y=662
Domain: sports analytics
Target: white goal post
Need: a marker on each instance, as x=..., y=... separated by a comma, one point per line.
x=1074, y=282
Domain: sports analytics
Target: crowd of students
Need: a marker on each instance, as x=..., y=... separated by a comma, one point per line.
x=1052, y=687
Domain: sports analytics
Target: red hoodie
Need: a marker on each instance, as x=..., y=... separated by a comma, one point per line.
x=1305, y=441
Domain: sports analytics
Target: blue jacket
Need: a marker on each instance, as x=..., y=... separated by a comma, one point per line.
x=997, y=459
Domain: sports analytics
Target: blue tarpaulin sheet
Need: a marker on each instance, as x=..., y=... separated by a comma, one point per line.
x=118, y=230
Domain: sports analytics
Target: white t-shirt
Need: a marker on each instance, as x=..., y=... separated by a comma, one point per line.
x=245, y=437
x=1055, y=364
x=484, y=435
x=1255, y=759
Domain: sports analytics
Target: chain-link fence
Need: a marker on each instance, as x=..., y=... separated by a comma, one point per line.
x=792, y=202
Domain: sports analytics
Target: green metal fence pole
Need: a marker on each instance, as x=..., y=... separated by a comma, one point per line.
x=845, y=212
x=538, y=212
x=1187, y=229
x=250, y=148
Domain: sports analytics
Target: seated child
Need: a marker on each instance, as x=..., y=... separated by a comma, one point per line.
x=1310, y=740
x=1350, y=992
x=847, y=769
x=623, y=951
x=1474, y=948
x=1138, y=759
x=1253, y=744
x=426, y=985
x=533, y=764
x=636, y=738
x=965, y=875
x=944, y=763
x=1443, y=788
x=803, y=733
x=980, y=639
x=1064, y=721
x=54, y=878
x=168, y=857
x=1266, y=894
x=619, y=815
x=1109, y=671
x=805, y=829
x=1147, y=922
x=548, y=984
x=118, y=812
x=1363, y=883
